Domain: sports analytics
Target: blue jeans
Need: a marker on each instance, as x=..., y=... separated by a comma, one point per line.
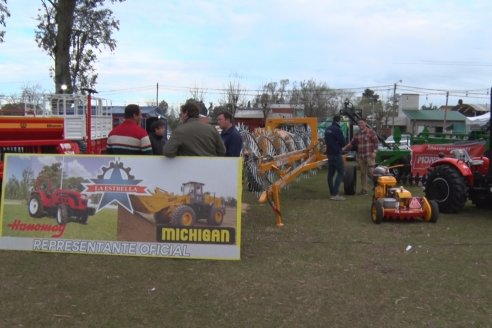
x=335, y=165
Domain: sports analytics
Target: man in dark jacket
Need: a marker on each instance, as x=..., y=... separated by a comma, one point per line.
x=335, y=141
x=230, y=135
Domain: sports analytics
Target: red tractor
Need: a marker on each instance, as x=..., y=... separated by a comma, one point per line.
x=453, y=180
x=65, y=205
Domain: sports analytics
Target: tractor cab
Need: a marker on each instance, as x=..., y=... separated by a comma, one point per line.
x=194, y=190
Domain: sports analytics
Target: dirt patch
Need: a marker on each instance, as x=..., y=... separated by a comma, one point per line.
x=133, y=227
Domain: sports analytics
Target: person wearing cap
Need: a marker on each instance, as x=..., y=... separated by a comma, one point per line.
x=230, y=135
x=192, y=137
x=129, y=138
x=335, y=141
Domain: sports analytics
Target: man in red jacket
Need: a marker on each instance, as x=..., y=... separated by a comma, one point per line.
x=129, y=138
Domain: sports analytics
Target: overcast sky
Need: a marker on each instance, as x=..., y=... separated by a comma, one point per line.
x=431, y=45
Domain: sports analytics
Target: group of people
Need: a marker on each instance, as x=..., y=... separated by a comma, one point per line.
x=193, y=137
x=366, y=142
x=196, y=137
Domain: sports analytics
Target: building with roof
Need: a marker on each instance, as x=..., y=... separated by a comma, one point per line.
x=435, y=121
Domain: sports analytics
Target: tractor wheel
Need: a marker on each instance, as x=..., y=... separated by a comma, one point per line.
x=35, y=207
x=183, y=216
x=162, y=217
x=216, y=217
x=350, y=180
x=377, y=212
x=447, y=187
x=62, y=214
x=83, y=218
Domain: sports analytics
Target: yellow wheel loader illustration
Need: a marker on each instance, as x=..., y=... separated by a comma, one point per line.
x=181, y=210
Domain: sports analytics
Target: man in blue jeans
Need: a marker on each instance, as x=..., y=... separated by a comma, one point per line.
x=335, y=141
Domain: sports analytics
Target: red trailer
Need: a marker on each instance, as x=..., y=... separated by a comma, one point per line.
x=60, y=124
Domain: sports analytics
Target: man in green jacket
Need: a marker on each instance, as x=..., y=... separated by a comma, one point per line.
x=192, y=137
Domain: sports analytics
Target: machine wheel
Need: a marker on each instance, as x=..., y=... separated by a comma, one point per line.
x=431, y=210
x=62, y=214
x=35, y=207
x=83, y=218
x=377, y=212
x=447, y=187
x=162, y=217
x=350, y=180
x=435, y=211
x=216, y=217
x=184, y=216
x=402, y=171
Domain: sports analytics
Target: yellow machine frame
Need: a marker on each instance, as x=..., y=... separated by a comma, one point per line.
x=311, y=158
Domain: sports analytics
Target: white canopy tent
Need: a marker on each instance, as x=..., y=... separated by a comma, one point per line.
x=477, y=122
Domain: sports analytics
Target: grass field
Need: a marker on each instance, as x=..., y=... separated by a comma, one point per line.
x=329, y=266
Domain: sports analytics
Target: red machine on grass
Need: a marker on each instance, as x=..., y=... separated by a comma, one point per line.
x=454, y=179
x=58, y=124
x=64, y=204
x=397, y=203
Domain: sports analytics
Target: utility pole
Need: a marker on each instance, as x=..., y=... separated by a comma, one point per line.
x=157, y=96
x=394, y=106
x=445, y=113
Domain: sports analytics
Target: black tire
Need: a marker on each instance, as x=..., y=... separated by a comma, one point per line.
x=350, y=180
x=84, y=218
x=183, y=216
x=447, y=187
x=35, y=207
x=162, y=216
x=435, y=211
x=62, y=214
x=377, y=212
x=216, y=217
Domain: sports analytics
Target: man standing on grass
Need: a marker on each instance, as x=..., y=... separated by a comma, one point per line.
x=335, y=141
x=367, y=144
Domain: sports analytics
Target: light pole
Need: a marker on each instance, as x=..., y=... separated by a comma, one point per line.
x=394, y=106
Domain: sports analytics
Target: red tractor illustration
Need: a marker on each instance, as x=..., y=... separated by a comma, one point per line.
x=65, y=205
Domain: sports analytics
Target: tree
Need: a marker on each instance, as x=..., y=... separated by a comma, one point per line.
x=173, y=119
x=317, y=99
x=52, y=173
x=70, y=31
x=233, y=96
x=372, y=107
x=4, y=13
x=32, y=96
x=163, y=107
x=269, y=95
x=198, y=93
x=430, y=107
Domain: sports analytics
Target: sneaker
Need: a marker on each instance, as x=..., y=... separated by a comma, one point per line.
x=362, y=193
x=338, y=197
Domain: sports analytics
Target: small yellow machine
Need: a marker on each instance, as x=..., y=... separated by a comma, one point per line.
x=182, y=210
x=397, y=203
